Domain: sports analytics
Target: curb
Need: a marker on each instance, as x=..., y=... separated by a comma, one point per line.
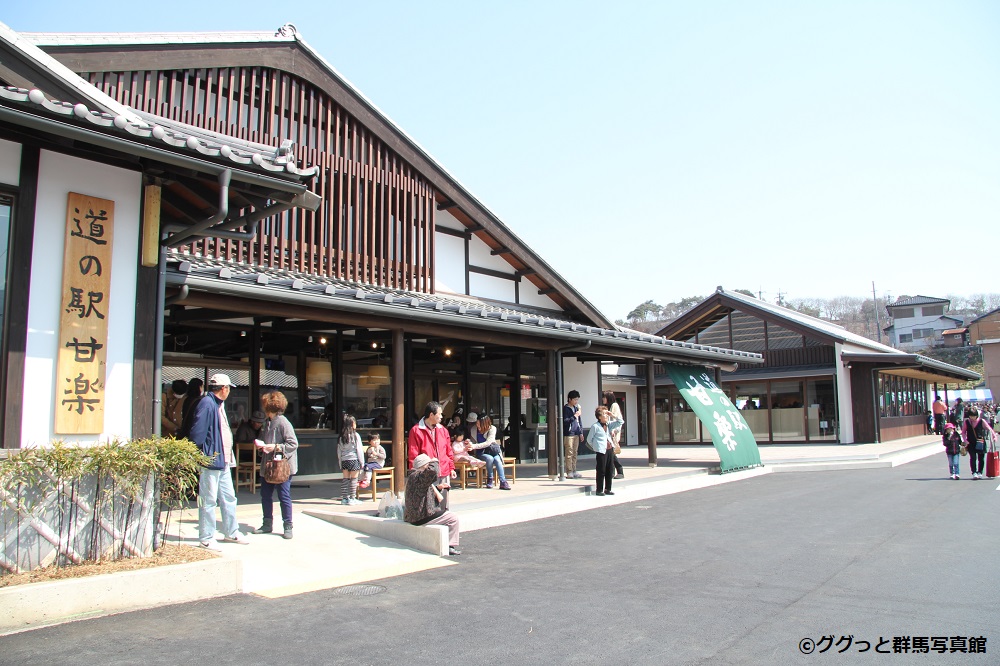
x=36, y=605
x=431, y=539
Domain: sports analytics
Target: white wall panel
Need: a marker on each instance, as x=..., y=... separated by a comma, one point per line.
x=58, y=176
x=486, y=286
x=529, y=296
x=10, y=163
x=449, y=263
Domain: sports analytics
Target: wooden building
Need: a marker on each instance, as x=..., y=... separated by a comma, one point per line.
x=819, y=382
x=398, y=288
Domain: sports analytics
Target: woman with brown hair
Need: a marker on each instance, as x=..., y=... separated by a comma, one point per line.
x=485, y=447
x=279, y=439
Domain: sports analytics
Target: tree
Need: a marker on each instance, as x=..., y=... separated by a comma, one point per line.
x=645, y=311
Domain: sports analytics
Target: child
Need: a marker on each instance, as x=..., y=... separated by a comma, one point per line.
x=952, y=447
x=375, y=457
x=350, y=454
x=460, y=450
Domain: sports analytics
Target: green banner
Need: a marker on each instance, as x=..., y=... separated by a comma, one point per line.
x=730, y=433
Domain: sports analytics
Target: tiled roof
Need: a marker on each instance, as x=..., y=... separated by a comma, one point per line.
x=917, y=300
x=183, y=268
x=164, y=132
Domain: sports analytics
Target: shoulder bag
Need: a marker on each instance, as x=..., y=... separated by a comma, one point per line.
x=276, y=468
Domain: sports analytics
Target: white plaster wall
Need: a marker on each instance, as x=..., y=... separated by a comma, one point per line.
x=529, y=296
x=449, y=264
x=443, y=218
x=583, y=378
x=58, y=176
x=487, y=286
x=844, y=398
x=479, y=255
x=10, y=163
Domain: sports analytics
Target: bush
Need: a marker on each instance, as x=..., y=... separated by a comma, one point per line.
x=65, y=502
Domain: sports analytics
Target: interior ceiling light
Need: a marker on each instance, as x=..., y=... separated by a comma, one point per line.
x=447, y=352
x=322, y=341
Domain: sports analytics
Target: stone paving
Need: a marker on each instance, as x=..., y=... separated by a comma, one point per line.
x=323, y=555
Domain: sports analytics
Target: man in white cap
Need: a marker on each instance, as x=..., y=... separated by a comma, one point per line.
x=426, y=503
x=210, y=431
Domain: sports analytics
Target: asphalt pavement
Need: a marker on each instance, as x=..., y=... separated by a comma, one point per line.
x=849, y=566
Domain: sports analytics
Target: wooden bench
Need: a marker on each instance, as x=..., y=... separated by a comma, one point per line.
x=383, y=474
x=511, y=461
x=466, y=469
x=246, y=470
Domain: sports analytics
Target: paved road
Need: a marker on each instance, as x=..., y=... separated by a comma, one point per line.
x=733, y=574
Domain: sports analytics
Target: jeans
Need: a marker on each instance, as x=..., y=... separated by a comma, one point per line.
x=215, y=488
x=284, y=499
x=605, y=470
x=492, y=462
x=953, y=462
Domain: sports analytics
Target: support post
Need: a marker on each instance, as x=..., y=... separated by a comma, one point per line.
x=398, y=411
x=651, y=411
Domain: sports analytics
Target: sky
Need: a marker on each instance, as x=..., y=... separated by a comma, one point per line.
x=654, y=150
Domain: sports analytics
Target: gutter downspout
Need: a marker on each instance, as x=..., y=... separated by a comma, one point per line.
x=559, y=385
x=178, y=239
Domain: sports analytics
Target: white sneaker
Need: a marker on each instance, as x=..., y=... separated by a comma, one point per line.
x=353, y=501
x=236, y=539
x=576, y=475
x=210, y=545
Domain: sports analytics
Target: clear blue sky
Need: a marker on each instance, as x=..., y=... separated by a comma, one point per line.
x=654, y=150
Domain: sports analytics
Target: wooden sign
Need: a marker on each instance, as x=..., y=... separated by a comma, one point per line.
x=83, y=321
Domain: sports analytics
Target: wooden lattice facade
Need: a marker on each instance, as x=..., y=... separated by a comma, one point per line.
x=376, y=222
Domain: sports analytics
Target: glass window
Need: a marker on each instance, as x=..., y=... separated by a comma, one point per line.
x=906, y=337
x=821, y=410
x=902, y=313
x=751, y=399
x=787, y=423
x=932, y=310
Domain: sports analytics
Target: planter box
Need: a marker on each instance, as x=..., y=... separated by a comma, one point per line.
x=68, y=523
x=39, y=604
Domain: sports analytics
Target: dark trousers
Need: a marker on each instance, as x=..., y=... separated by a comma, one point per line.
x=977, y=458
x=618, y=465
x=284, y=499
x=938, y=423
x=605, y=470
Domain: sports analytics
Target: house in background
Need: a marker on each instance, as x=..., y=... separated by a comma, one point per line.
x=819, y=382
x=985, y=332
x=919, y=322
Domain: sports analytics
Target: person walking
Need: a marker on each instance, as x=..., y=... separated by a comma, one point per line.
x=426, y=500
x=952, y=447
x=611, y=402
x=599, y=439
x=279, y=438
x=572, y=433
x=350, y=453
x=977, y=434
x=211, y=433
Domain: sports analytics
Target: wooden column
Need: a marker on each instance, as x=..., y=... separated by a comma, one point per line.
x=651, y=411
x=254, y=356
x=554, y=444
x=398, y=410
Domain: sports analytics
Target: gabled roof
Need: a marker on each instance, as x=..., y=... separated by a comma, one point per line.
x=917, y=300
x=893, y=360
x=301, y=289
x=955, y=331
x=984, y=316
x=725, y=300
x=89, y=52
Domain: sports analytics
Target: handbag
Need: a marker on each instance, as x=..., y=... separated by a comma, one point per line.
x=276, y=470
x=494, y=450
x=964, y=450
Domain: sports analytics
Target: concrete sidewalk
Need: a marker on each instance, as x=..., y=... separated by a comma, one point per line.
x=323, y=555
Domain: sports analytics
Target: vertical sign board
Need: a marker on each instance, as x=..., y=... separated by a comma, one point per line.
x=83, y=323
x=730, y=433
